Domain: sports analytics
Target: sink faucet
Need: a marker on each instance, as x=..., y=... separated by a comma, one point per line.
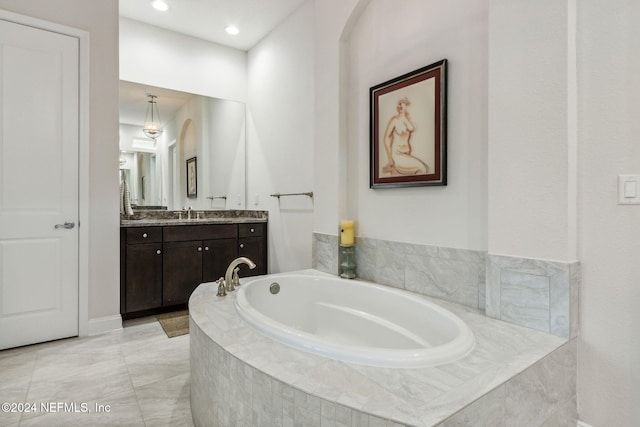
x=189, y=212
x=228, y=277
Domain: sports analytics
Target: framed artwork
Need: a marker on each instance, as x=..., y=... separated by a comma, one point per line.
x=192, y=177
x=408, y=134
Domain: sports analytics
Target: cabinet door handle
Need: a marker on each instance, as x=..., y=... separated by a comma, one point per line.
x=241, y=245
x=144, y=235
x=206, y=248
x=199, y=248
x=158, y=251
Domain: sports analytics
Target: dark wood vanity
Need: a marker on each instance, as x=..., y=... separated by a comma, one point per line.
x=161, y=265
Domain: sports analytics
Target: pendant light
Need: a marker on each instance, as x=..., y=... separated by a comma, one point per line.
x=152, y=125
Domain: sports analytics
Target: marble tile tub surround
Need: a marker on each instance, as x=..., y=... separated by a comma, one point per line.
x=161, y=217
x=241, y=377
x=455, y=275
x=542, y=395
x=538, y=294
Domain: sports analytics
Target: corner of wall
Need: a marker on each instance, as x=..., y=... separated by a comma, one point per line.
x=104, y=324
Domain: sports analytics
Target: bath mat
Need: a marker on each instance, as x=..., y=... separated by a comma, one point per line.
x=174, y=324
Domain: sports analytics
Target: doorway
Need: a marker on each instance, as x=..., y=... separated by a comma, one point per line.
x=43, y=271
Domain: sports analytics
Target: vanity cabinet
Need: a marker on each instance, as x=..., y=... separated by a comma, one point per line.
x=142, y=272
x=252, y=243
x=216, y=257
x=162, y=265
x=192, y=255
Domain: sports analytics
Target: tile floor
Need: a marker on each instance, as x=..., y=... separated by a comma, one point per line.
x=140, y=373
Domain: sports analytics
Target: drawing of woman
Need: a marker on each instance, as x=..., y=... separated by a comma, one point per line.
x=397, y=144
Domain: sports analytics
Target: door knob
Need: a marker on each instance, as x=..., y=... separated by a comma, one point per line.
x=67, y=225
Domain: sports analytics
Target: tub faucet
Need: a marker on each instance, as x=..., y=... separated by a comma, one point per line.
x=228, y=277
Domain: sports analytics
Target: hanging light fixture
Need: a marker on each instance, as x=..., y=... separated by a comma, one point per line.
x=152, y=126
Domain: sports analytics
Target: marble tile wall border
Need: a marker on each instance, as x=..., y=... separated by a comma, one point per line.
x=538, y=294
x=324, y=253
x=455, y=275
x=543, y=395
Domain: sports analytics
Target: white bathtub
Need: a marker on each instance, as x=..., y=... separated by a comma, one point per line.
x=354, y=321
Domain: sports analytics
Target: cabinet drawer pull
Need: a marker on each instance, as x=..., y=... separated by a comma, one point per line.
x=144, y=235
x=253, y=230
x=199, y=248
x=241, y=245
x=158, y=251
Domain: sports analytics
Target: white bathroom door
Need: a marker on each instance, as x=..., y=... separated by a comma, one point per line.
x=39, y=119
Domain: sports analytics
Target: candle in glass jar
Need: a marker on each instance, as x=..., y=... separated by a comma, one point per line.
x=346, y=232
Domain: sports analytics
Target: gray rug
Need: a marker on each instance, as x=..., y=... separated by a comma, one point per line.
x=174, y=324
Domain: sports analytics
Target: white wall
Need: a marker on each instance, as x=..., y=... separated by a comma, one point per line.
x=100, y=19
x=164, y=58
x=280, y=137
x=530, y=154
x=190, y=131
x=226, y=153
x=386, y=42
x=552, y=178
x=609, y=112
x=331, y=18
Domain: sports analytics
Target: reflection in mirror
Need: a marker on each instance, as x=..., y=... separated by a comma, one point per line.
x=209, y=129
x=140, y=170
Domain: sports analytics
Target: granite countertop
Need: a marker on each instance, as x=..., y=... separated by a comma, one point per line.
x=159, y=222
x=415, y=396
x=198, y=217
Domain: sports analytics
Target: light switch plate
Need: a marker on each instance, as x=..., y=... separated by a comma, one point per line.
x=629, y=189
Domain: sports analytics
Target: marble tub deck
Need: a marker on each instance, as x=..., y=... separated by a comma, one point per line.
x=513, y=372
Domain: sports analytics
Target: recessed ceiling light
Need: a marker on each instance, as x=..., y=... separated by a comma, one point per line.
x=160, y=5
x=232, y=29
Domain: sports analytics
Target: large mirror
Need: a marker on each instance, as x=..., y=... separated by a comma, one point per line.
x=199, y=159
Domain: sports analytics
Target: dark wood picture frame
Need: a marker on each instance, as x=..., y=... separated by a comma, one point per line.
x=408, y=134
x=192, y=177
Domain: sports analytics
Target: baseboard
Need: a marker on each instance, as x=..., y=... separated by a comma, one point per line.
x=104, y=324
x=583, y=424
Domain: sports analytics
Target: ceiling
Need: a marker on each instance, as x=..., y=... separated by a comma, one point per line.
x=207, y=19
x=133, y=102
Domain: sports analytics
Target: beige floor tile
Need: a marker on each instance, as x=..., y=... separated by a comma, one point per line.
x=132, y=377
x=166, y=403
